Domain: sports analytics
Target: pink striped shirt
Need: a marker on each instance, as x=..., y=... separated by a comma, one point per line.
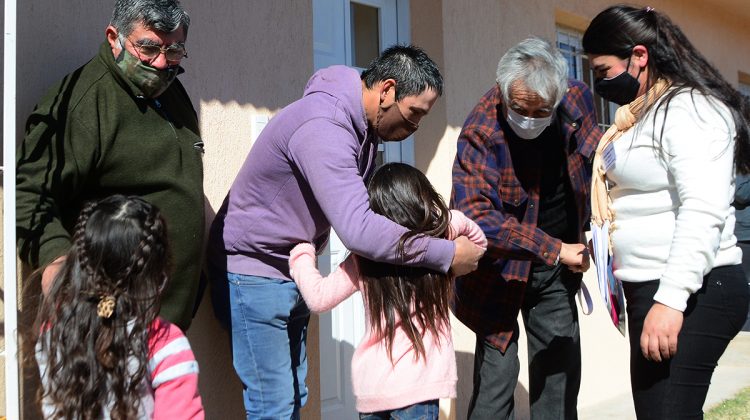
x=170, y=390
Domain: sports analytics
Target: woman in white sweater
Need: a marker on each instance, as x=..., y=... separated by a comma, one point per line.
x=664, y=177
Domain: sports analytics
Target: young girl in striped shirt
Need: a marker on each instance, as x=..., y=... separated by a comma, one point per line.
x=102, y=350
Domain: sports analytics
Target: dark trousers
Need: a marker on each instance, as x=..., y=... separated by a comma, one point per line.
x=551, y=321
x=745, y=247
x=676, y=388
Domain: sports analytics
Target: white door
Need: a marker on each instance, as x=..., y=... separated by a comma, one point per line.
x=351, y=32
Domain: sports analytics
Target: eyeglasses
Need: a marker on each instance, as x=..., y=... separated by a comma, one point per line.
x=174, y=52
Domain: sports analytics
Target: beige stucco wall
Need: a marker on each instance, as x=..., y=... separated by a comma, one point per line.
x=248, y=59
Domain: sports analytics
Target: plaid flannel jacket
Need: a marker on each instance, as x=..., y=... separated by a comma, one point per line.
x=487, y=189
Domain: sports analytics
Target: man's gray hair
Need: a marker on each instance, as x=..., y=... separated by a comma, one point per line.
x=160, y=15
x=538, y=65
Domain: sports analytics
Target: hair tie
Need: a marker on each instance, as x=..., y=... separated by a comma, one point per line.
x=649, y=9
x=106, y=306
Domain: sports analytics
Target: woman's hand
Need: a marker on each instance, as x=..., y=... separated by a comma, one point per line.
x=660, y=330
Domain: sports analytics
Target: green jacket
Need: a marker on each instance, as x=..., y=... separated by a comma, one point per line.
x=94, y=134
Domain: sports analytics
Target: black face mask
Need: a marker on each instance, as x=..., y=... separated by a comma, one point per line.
x=621, y=89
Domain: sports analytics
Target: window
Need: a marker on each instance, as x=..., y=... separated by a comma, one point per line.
x=569, y=44
x=365, y=27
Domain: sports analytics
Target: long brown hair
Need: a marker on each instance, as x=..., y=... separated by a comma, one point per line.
x=119, y=251
x=410, y=298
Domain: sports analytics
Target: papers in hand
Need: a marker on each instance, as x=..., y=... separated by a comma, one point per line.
x=609, y=286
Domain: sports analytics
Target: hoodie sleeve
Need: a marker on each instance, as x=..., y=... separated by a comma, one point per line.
x=326, y=154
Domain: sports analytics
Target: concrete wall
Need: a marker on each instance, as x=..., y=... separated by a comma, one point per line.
x=247, y=59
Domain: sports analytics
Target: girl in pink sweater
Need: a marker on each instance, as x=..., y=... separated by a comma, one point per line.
x=405, y=362
x=103, y=352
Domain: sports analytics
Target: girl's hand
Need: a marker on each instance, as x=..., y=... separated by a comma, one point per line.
x=660, y=330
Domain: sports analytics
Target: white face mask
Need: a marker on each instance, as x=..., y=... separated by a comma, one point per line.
x=527, y=128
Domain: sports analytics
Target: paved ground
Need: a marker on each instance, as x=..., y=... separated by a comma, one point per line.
x=732, y=375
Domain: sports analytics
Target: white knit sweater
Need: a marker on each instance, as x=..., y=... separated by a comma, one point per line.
x=673, y=217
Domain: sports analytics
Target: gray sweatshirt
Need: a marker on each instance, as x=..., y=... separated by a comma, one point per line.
x=306, y=173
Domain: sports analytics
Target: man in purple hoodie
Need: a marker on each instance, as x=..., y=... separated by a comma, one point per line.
x=306, y=173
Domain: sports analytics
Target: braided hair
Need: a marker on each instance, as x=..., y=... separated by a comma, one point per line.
x=617, y=29
x=96, y=361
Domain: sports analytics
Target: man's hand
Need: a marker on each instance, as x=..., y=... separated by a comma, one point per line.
x=467, y=255
x=660, y=330
x=575, y=256
x=49, y=273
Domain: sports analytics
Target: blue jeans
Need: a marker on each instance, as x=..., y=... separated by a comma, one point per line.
x=269, y=330
x=428, y=410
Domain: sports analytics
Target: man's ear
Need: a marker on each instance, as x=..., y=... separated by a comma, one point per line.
x=114, y=43
x=387, y=92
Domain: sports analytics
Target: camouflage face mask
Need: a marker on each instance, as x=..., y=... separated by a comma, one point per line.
x=150, y=80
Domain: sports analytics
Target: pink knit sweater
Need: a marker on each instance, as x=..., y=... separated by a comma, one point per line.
x=381, y=383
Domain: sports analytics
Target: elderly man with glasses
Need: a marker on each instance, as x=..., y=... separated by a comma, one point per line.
x=123, y=124
x=522, y=172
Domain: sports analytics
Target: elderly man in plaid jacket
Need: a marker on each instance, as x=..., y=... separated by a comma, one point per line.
x=522, y=172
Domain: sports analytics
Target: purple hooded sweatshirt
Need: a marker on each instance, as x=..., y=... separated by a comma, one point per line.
x=306, y=172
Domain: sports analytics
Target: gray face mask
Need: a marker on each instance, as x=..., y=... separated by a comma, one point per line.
x=150, y=80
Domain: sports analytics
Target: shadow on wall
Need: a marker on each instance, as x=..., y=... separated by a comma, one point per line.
x=465, y=366
x=53, y=39
x=258, y=53
x=232, y=55
x=221, y=389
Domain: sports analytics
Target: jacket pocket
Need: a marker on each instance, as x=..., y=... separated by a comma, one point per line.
x=513, y=196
